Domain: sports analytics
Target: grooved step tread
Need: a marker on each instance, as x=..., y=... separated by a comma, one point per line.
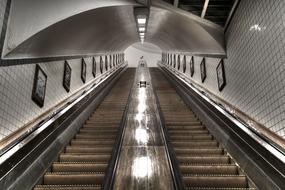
x=176, y=128
x=209, y=169
x=68, y=187
x=213, y=159
x=84, y=158
x=78, y=167
x=217, y=188
x=86, y=150
x=199, y=151
x=197, y=144
x=73, y=178
x=191, y=137
x=221, y=181
x=95, y=136
x=187, y=132
x=80, y=142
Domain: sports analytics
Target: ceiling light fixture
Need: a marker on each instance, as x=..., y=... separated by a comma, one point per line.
x=141, y=20
x=141, y=16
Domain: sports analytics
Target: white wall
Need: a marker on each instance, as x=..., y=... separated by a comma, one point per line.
x=150, y=53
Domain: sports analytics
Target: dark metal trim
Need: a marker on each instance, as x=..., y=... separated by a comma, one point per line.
x=171, y=156
x=264, y=168
x=109, y=178
x=231, y=15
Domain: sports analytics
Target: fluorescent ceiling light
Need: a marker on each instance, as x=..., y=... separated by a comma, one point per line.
x=142, y=34
x=141, y=29
x=141, y=20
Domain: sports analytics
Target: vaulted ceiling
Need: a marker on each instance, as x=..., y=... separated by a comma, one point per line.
x=87, y=27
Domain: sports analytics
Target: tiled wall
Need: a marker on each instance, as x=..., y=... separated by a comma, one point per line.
x=255, y=65
x=16, y=83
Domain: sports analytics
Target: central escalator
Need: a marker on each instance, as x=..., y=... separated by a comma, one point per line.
x=203, y=162
x=82, y=165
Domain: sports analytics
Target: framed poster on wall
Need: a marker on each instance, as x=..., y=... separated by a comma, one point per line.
x=203, y=70
x=110, y=61
x=114, y=64
x=174, y=60
x=184, y=64
x=106, y=62
x=66, y=76
x=101, y=64
x=168, y=59
x=83, y=70
x=192, y=66
x=94, y=67
x=39, y=86
x=178, y=62
x=221, y=77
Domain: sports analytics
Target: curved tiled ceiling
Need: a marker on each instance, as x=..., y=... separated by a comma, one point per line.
x=110, y=28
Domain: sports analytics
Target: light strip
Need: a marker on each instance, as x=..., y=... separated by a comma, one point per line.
x=141, y=20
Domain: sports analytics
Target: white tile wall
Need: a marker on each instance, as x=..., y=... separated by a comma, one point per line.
x=255, y=65
x=16, y=83
x=2, y=11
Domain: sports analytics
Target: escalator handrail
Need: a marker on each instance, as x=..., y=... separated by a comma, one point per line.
x=12, y=148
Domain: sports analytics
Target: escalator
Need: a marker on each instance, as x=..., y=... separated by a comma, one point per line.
x=203, y=162
x=83, y=163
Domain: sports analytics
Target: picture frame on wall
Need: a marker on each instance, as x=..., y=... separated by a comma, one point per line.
x=184, y=64
x=94, y=67
x=221, y=77
x=110, y=61
x=191, y=66
x=168, y=57
x=66, y=76
x=174, y=61
x=106, y=62
x=101, y=64
x=83, y=70
x=203, y=70
x=39, y=86
x=114, y=64
x=178, y=62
